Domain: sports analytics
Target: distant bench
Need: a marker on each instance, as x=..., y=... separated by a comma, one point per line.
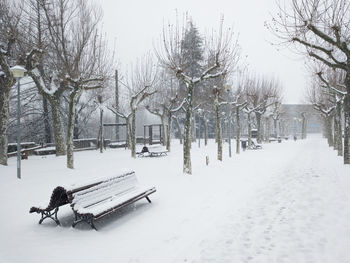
x=145, y=152
x=95, y=199
x=254, y=146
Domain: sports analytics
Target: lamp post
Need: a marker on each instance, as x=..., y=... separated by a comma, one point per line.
x=18, y=73
x=228, y=89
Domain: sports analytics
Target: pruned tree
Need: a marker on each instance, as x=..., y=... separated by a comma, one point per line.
x=79, y=53
x=261, y=94
x=123, y=113
x=204, y=113
x=35, y=35
x=41, y=60
x=276, y=115
x=139, y=87
x=303, y=125
x=218, y=102
x=165, y=104
x=171, y=56
x=321, y=29
x=8, y=36
x=332, y=83
x=322, y=102
x=239, y=104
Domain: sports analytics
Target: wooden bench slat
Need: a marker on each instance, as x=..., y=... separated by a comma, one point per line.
x=105, y=190
x=128, y=202
x=110, y=203
x=95, y=199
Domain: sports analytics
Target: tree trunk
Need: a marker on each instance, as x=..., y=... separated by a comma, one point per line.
x=329, y=131
x=58, y=126
x=218, y=126
x=170, y=122
x=187, y=166
x=238, y=132
x=259, y=133
x=76, y=127
x=339, y=130
x=335, y=130
x=205, y=123
x=193, y=127
x=303, y=126
x=179, y=130
x=101, y=131
x=275, y=130
x=70, y=129
x=4, y=121
x=268, y=130
x=117, y=135
x=127, y=133
x=47, y=129
x=249, y=131
x=347, y=118
x=165, y=133
x=133, y=133
x=347, y=125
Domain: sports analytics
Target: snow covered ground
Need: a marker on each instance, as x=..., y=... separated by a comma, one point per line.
x=288, y=202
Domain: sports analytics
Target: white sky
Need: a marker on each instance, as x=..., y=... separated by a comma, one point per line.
x=136, y=25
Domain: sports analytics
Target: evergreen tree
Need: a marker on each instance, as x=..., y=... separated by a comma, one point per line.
x=192, y=51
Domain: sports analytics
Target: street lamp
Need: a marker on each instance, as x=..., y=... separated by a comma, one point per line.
x=18, y=73
x=228, y=89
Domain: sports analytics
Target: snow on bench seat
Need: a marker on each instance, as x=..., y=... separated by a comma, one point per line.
x=106, y=197
x=94, y=198
x=97, y=199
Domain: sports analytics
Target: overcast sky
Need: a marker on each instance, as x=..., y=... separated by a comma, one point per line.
x=136, y=25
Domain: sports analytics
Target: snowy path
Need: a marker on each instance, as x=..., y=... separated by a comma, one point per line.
x=286, y=203
x=301, y=215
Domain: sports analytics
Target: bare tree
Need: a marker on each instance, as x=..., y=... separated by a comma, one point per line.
x=276, y=114
x=303, y=125
x=165, y=109
x=322, y=103
x=80, y=52
x=321, y=28
x=42, y=61
x=8, y=36
x=139, y=85
x=239, y=105
x=217, y=112
x=262, y=93
x=331, y=81
x=124, y=113
x=171, y=56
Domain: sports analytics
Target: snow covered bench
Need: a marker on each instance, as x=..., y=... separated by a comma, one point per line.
x=95, y=199
x=98, y=201
x=254, y=146
x=154, y=152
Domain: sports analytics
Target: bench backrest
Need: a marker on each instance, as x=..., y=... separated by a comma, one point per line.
x=113, y=186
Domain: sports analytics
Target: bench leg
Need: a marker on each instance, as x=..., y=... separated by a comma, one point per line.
x=92, y=224
x=149, y=200
x=79, y=219
x=49, y=214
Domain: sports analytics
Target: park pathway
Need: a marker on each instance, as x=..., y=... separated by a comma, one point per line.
x=301, y=214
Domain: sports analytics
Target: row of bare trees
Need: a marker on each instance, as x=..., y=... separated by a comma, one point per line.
x=206, y=85
x=191, y=78
x=320, y=30
x=61, y=46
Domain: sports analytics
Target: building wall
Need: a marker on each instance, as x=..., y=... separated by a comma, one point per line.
x=291, y=115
